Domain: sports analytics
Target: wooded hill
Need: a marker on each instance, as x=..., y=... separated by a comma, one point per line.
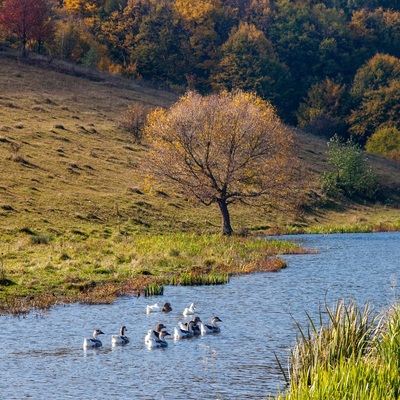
x=328, y=66
x=65, y=165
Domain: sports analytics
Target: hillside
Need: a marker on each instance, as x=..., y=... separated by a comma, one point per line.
x=65, y=165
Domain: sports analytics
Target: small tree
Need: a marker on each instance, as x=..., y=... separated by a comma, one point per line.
x=349, y=173
x=133, y=120
x=222, y=149
x=26, y=20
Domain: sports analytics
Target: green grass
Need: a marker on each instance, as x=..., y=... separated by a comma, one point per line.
x=93, y=268
x=389, y=226
x=356, y=355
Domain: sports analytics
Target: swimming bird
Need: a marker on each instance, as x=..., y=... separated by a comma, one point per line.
x=160, y=342
x=120, y=339
x=189, y=310
x=180, y=333
x=154, y=334
x=166, y=307
x=195, y=327
x=210, y=328
x=153, y=308
x=93, y=342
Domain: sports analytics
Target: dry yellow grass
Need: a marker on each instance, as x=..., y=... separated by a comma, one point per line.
x=65, y=164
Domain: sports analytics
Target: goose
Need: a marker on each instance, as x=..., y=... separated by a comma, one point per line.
x=120, y=339
x=210, y=328
x=93, y=342
x=195, y=327
x=154, y=334
x=166, y=307
x=160, y=342
x=189, y=310
x=153, y=308
x=180, y=333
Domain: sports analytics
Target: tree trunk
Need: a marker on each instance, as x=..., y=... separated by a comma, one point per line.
x=226, y=220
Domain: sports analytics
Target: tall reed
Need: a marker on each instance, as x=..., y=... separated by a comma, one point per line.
x=356, y=355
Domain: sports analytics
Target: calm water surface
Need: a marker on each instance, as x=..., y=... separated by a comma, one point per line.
x=41, y=356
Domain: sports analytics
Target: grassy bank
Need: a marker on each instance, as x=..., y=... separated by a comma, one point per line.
x=355, y=355
x=40, y=269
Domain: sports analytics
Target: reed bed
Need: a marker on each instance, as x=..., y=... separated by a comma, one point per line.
x=154, y=289
x=355, y=355
x=196, y=279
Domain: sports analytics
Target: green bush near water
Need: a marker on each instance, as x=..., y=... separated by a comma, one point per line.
x=349, y=172
x=355, y=356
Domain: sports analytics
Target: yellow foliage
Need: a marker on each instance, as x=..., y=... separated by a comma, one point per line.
x=196, y=11
x=230, y=146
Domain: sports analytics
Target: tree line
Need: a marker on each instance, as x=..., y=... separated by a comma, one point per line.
x=328, y=67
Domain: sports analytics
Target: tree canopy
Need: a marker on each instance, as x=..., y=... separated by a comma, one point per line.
x=287, y=51
x=26, y=20
x=222, y=148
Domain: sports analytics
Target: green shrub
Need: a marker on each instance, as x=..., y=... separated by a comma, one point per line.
x=349, y=173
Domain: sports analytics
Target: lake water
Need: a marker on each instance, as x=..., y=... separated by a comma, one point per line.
x=41, y=356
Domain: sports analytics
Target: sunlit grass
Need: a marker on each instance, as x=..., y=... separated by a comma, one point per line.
x=88, y=267
x=345, y=228
x=354, y=355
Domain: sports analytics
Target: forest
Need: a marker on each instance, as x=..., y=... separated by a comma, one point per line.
x=328, y=67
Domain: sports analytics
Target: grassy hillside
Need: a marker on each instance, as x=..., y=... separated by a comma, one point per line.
x=65, y=164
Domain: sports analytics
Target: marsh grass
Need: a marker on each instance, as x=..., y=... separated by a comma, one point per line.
x=355, y=355
x=91, y=268
x=154, y=289
x=336, y=228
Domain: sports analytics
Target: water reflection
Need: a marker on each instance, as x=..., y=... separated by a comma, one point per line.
x=43, y=357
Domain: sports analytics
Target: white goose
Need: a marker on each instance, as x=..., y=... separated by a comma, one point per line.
x=93, y=341
x=210, y=328
x=159, y=342
x=121, y=339
x=153, y=308
x=154, y=334
x=189, y=310
x=180, y=333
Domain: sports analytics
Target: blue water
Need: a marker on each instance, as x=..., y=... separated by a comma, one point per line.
x=41, y=356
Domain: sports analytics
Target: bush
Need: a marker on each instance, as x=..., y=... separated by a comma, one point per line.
x=133, y=120
x=385, y=142
x=349, y=173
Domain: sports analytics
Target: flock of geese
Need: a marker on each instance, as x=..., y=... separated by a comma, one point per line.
x=156, y=337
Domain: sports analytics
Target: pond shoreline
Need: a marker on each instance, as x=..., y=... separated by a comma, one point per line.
x=139, y=265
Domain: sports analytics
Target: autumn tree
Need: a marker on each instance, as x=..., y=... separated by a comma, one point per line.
x=376, y=73
x=250, y=63
x=385, y=142
x=200, y=21
x=222, y=148
x=323, y=110
x=380, y=108
x=26, y=20
x=376, y=96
